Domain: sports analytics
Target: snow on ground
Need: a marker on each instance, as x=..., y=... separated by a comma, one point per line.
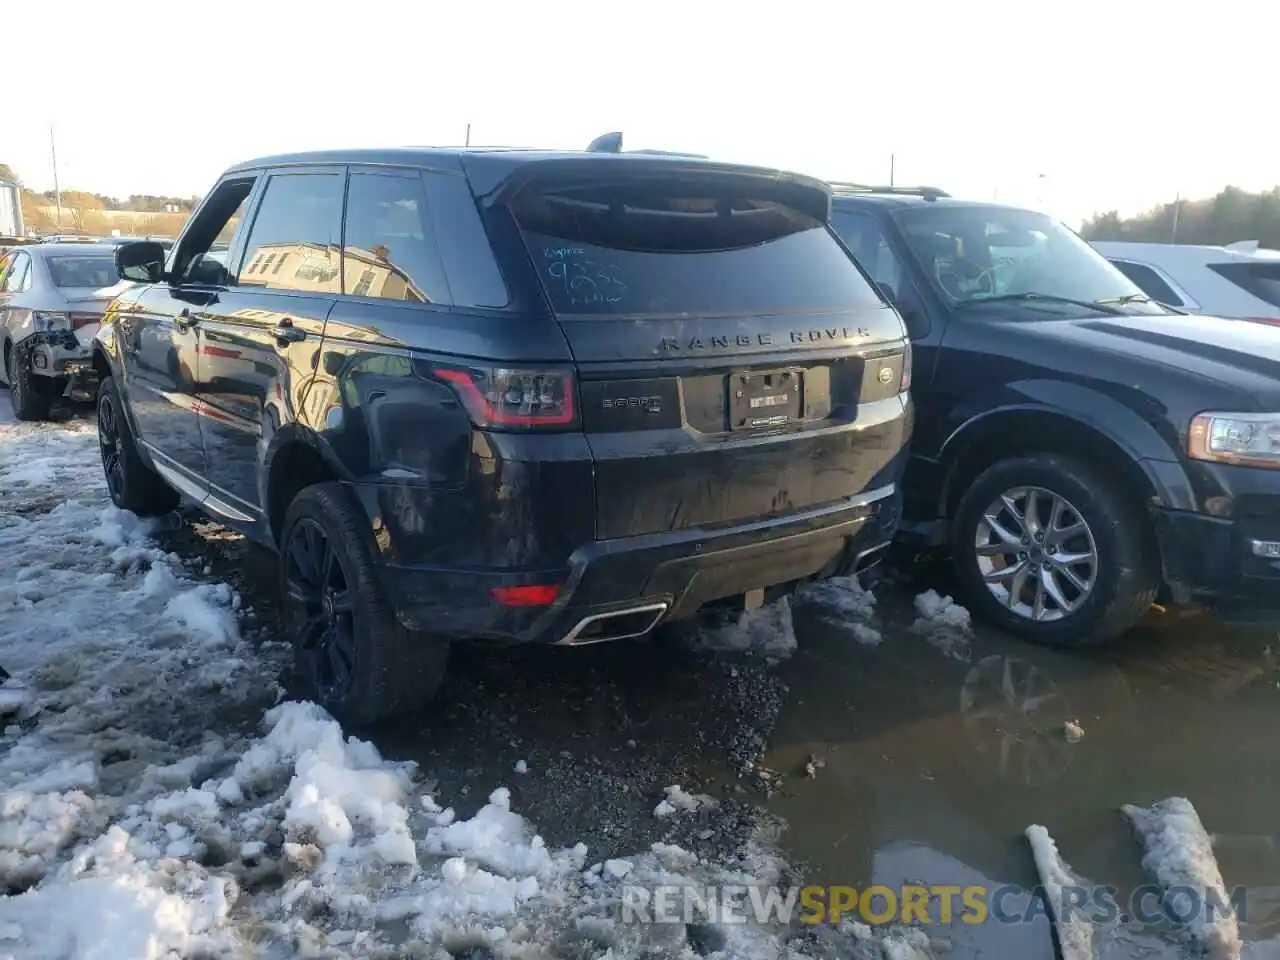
x=767, y=631
x=845, y=603
x=679, y=801
x=1075, y=931
x=1178, y=852
x=157, y=800
x=944, y=624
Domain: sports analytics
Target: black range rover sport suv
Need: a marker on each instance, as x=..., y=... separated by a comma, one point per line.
x=520, y=396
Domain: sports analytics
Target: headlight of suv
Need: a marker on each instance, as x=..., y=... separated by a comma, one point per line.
x=1246, y=439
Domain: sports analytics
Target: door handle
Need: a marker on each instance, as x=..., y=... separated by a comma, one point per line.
x=184, y=321
x=286, y=333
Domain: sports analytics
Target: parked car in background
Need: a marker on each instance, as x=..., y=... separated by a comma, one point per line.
x=1080, y=449
x=51, y=302
x=164, y=242
x=71, y=238
x=1237, y=280
x=527, y=397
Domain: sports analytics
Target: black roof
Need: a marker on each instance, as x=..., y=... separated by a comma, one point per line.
x=488, y=167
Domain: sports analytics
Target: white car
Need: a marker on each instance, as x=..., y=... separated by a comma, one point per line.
x=1238, y=280
x=52, y=298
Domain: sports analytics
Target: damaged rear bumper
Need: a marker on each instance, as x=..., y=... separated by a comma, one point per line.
x=59, y=355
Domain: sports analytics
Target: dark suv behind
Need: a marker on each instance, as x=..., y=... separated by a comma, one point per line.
x=512, y=395
x=1081, y=449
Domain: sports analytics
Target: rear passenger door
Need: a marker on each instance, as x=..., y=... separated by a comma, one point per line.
x=260, y=340
x=395, y=296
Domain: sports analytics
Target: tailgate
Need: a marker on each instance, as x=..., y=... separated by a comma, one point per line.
x=733, y=362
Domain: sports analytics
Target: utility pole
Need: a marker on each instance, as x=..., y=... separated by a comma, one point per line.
x=57, y=193
x=892, y=158
x=468, y=143
x=1177, y=207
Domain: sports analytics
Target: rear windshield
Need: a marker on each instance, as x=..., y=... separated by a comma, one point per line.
x=675, y=249
x=82, y=271
x=1260, y=279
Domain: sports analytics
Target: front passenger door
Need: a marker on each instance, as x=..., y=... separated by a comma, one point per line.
x=161, y=344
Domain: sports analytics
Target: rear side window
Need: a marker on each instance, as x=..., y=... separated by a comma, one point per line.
x=1149, y=282
x=82, y=271
x=674, y=248
x=390, y=252
x=15, y=279
x=296, y=235
x=1260, y=279
x=474, y=278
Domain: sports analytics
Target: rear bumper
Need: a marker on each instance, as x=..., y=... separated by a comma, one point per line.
x=56, y=354
x=1214, y=563
x=650, y=578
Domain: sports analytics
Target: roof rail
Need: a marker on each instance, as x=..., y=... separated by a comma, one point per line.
x=670, y=153
x=929, y=193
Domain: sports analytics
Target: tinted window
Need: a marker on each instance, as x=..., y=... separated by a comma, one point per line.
x=299, y=225
x=82, y=271
x=1260, y=279
x=390, y=252
x=864, y=235
x=1152, y=284
x=679, y=248
x=474, y=278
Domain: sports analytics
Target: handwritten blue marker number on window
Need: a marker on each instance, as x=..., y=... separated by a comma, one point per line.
x=584, y=281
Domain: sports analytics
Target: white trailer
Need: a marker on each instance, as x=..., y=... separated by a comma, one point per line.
x=11, y=210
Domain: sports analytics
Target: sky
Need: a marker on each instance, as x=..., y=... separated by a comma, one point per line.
x=1074, y=108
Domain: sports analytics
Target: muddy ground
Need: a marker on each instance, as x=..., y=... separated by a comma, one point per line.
x=921, y=758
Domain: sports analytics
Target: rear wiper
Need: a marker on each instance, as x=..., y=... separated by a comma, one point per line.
x=1104, y=306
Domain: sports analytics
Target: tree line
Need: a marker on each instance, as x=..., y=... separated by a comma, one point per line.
x=85, y=212
x=1232, y=215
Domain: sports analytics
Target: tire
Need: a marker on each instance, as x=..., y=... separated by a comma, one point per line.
x=356, y=658
x=1125, y=565
x=32, y=396
x=133, y=485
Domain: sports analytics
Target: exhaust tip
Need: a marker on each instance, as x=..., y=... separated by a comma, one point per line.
x=626, y=624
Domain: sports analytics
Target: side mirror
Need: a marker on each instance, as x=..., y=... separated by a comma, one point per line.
x=140, y=262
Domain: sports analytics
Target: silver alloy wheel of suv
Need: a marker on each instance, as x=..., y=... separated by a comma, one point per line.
x=1036, y=553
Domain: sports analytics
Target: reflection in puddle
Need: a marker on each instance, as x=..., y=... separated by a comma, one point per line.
x=952, y=742
x=1014, y=713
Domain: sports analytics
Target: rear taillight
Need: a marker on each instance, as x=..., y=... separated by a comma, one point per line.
x=514, y=398
x=905, y=383
x=79, y=320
